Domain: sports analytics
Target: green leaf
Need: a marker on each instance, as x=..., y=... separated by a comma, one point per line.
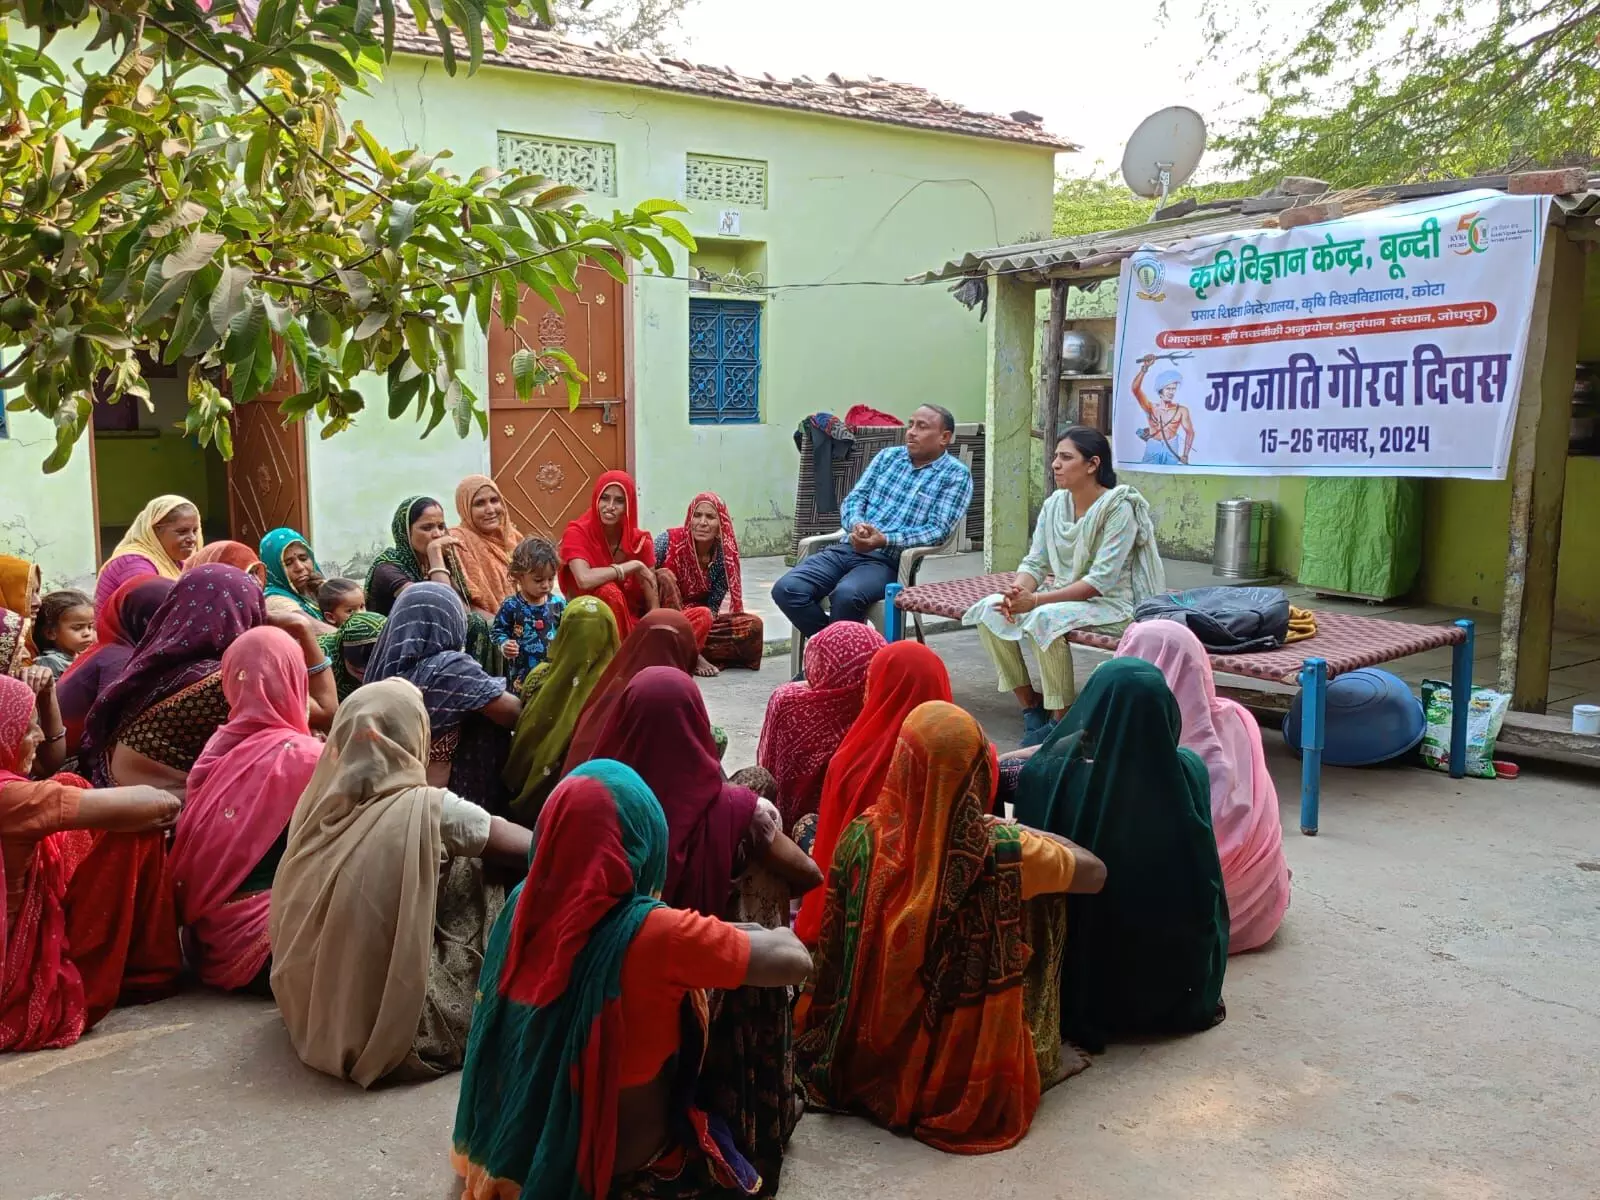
x=557, y=197
x=191, y=327
x=508, y=300
x=333, y=60
x=194, y=254
x=460, y=407
x=370, y=324
x=657, y=251
x=296, y=406
x=652, y=208
x=525, y=373
x=278, y=315
x=358, y=285
x=447, y=51
x=438, y=414
x=161, y=302
x=228, y=301
x=677, y=231
x=117, y=114
x=612, y=267
x=387, y=6
x=519, y=186
x=107, y=335
x=255, y=158
x=111, y=181
x=402, y=220
x=419, y=340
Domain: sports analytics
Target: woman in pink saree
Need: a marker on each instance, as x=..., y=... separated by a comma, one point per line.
x=1244, y=802
x=242, y=791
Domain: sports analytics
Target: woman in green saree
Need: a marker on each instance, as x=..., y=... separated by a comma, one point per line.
x=1146, y=955
x=553, y=697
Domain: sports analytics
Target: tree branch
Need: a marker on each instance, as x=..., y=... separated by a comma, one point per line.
x=276, y=119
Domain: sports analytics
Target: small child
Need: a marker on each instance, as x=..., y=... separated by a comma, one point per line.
x=530, y=616
x=63, y=629
x=338, y=598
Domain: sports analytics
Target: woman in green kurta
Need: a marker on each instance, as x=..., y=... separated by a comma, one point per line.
x=1093, y=559
x=553, y=696
x=1146, y=955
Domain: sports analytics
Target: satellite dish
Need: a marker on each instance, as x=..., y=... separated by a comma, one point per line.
x=1163, y=152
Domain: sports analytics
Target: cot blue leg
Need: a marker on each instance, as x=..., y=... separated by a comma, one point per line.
x=893, y=621
x=1313, y=712
x=1460, y=699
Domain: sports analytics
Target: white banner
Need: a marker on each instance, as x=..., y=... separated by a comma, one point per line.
x=1388, y=343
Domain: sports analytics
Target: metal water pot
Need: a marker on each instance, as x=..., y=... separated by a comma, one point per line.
x=1080, y=352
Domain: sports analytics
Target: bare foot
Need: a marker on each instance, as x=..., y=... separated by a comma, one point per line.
x=705, y=670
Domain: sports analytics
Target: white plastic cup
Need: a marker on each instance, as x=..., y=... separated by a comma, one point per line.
x=1586, y=718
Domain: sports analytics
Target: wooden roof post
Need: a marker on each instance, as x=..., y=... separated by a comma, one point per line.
x=1008, y=421
x=1539, y=474
x=1050, y=371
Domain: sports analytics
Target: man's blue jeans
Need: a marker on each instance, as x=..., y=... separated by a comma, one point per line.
x=853, y=583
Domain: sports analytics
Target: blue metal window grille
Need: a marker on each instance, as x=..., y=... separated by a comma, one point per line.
x=724, y=362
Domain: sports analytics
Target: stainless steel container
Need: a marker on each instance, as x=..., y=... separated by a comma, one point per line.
x=1243, y=546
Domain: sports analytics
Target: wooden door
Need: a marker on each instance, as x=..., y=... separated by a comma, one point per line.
x=544, y=457
x=267, y=475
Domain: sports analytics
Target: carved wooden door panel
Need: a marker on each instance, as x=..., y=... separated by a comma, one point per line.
x=267, y=475
x=544, y=457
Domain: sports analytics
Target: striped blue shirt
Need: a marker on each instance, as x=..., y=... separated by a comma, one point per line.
x=911, y=506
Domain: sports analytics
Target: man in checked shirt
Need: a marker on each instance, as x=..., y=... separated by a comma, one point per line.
x=911, y=495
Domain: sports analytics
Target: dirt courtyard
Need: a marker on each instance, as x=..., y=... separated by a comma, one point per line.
x=1423, y=1027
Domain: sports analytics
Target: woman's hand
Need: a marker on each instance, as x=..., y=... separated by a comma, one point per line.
x=436, y=552
x=1014, y=606
x=295, y=624
x=136, y=809
x=39, y=679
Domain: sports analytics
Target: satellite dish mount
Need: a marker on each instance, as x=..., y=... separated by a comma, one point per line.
x=1163, y=152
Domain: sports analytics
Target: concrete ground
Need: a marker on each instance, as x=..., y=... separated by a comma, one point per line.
x=1423, y=1028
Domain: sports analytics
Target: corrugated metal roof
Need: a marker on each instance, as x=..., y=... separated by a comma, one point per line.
x=1073, y=252
x=1104, y=249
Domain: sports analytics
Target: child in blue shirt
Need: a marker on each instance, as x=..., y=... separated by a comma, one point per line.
x=529, y=618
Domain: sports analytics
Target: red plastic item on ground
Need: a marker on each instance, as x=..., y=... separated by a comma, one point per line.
x=1506, y=770
x=864, y=414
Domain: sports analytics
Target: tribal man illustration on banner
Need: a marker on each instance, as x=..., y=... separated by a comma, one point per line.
x=1168, y=418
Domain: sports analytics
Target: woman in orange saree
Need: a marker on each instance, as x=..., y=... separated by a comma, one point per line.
x=915, y=1013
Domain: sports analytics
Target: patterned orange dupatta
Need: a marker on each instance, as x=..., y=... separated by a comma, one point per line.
x=915, y=1014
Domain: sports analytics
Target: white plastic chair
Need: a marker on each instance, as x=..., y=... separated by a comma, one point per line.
x=910, y=563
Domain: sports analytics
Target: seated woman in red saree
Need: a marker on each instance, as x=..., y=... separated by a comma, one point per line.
x=915, y=1015
x=699, y=569
x=604, y=553
x=235, y=823
x=583, y=1074
x=89, y=914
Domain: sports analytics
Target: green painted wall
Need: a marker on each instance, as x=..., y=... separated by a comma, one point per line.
x=46, y=518
x=849, y=201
